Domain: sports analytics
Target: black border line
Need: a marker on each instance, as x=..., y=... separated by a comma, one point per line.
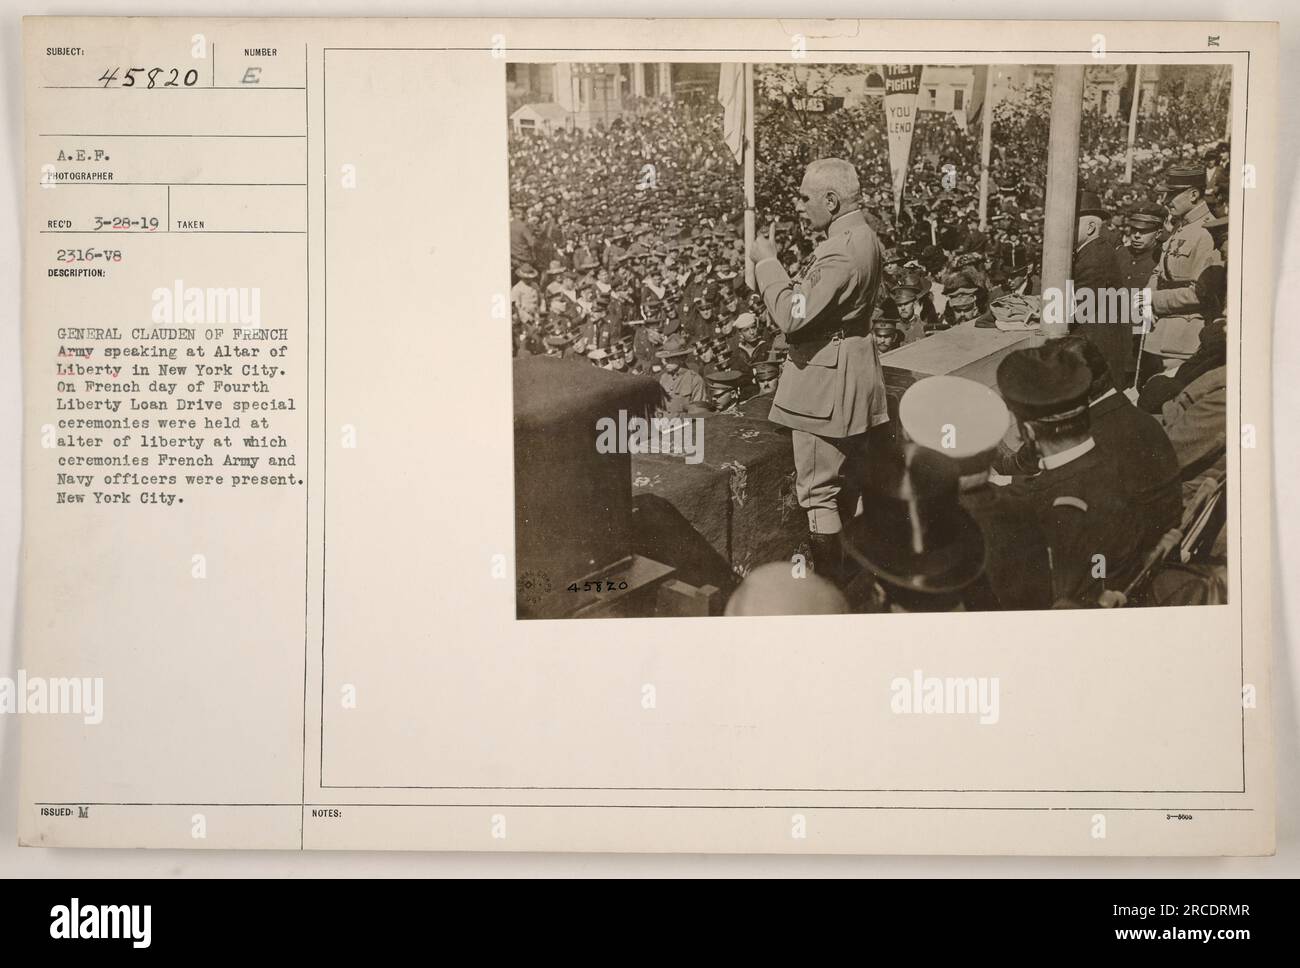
x=306, y=531
x=649, y=806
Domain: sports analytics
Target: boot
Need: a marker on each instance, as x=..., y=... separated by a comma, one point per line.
x=828, y=556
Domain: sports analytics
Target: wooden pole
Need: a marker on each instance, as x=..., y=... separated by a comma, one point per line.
x=986, y=149
x=1059, y=227
x=1225, y=80
x=748, y=148
x=1133, y=122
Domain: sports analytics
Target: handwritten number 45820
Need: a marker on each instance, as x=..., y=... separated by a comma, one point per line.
x=599, y=586
x=174, y=77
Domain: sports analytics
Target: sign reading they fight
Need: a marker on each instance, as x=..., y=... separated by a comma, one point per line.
x=902, y=83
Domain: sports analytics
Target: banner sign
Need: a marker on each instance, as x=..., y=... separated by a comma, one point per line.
x=902, y=84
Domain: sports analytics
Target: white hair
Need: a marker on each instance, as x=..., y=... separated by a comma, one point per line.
x=834, y=175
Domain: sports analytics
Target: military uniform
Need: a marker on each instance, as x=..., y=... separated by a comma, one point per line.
x=1082, y=508
x=644, y=345
x=832, y=390
x=743, y=357
x=1135, y=268
x=1187, y=253
x=1145, y=459
x=1093, y=533
x=683, y=387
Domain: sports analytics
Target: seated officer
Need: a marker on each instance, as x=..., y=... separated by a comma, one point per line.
x=766, y=375
x=1092, y=529
x=966, y=298
x=916, y=316
x=745, y=346
x=724, y=388
x=965, y=421
x=1139, y=446
x=1148, y=467
x=885, y=324
x=681, y=386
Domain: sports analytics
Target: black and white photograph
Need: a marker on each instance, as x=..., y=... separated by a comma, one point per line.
x=940, y=364
x=796, y=338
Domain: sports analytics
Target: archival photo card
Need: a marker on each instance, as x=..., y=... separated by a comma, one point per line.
x=900, y=392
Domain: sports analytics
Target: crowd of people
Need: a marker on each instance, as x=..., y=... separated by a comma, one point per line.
x=627, y=239
x=627, y=249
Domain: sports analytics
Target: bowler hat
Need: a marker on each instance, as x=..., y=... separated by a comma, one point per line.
x=1044, y=382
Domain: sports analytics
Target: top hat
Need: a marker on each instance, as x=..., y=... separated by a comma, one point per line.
x=916, y=535
x=1090, y=204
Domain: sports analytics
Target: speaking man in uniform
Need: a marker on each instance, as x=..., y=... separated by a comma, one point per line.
x=832, y=390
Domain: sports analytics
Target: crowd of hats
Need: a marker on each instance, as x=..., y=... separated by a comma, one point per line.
x=938, y=222
x=641, y=221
